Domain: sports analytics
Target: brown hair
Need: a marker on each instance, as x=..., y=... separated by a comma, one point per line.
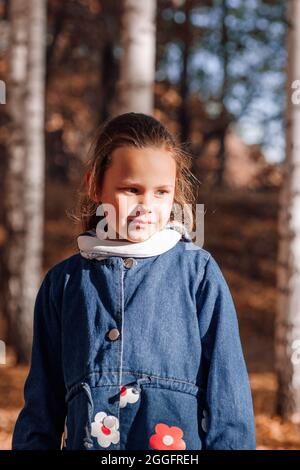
x=140, y=131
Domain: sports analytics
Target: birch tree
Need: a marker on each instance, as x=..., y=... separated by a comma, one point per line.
x=137, y=65
x=25, y=176
x=287, y=328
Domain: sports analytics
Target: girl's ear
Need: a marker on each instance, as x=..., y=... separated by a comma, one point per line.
x=87, y=176
x=87, y=179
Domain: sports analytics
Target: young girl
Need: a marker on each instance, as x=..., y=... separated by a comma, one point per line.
x=136, y=340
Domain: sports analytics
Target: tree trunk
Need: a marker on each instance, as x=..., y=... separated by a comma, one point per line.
x=183, y=113
x=25, y=180
x=107, y=80
x=137, y=67
x=287, y=328
x=224, y=50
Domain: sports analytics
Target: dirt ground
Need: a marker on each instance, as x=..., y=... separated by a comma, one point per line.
x=241, y=233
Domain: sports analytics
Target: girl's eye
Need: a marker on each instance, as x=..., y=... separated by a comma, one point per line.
x=161, y=191
x=128, y=189
x=135, y=189
x=131, y=189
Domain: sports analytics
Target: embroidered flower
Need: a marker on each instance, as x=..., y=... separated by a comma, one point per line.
x=167, y=438
x=105, y=428
x=204, y=421
x=128, y=395
x=65, y=436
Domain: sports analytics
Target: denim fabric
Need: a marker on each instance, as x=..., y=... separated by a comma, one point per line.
x=175, y=378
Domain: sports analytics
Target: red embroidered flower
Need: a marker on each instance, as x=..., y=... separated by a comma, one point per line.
x=128, y=395
x=106, y=429
x=167, y=438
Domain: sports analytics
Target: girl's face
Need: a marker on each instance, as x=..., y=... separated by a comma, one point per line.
x=138, y=192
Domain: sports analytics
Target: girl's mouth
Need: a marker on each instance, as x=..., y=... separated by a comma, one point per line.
x=140, y=221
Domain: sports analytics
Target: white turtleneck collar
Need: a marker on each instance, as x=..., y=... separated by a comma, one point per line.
x=91, y=247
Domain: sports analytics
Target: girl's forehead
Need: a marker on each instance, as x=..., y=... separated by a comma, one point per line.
x=131, y=159
x=144, y=167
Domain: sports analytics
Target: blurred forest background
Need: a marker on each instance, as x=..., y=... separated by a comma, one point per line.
x=217, y=79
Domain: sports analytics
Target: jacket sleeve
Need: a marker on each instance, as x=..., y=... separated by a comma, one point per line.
x=228, y=413
x=41, y=421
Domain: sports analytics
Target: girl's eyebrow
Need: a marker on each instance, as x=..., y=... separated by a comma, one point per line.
x=132, y=183
x=164, y=186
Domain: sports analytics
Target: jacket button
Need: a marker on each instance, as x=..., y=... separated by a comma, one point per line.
x=114, y=334
x=129, y=262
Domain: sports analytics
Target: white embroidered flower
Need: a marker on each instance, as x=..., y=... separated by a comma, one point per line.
x=128, y=395
x=65, y=434
x=105, y=428
x=204, y=421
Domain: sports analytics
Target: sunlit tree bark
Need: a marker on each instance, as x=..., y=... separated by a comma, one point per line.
x=287, y=337
x=25, y=177
x=137, y=67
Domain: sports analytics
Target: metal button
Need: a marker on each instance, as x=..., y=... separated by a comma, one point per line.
x=114, y=334
x=129, y=262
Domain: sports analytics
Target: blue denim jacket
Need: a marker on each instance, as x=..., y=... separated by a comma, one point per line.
x=136, y=353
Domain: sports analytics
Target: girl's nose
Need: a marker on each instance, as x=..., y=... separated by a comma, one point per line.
x=143, y=209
